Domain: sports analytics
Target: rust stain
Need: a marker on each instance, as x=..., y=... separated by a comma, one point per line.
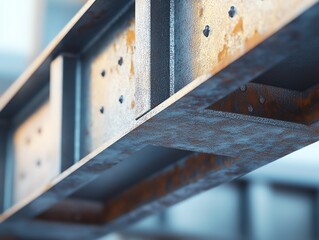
x=200, y=12
x=223, y=53
x=253, y=40
x=224, y=56
x=132, y=70
x=132, y=104
x=239, y=28
x=130, y=39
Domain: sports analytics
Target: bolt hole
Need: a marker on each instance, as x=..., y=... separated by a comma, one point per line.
x=121, y=99
x=206, y=31
x=232, y=11
x=102, y=110
x=103, y=73
x=39, y=130
x=38, y=163
x=120, y=61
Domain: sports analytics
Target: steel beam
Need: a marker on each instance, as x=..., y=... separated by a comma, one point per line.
x=116, y=124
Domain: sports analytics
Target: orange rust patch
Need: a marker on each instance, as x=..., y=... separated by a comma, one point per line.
x=132, y=104
x=200, y=12
x=130, y=39
x=239, y=28
x=253, y=40
x=223, y=53
x=132, y=71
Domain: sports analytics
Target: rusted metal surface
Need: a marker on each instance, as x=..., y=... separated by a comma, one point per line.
x=95, y=16
x=234, y=28
x=108, y=100
x=182, y=178
x=33, y=167
x=272, y=102
x=184, y=121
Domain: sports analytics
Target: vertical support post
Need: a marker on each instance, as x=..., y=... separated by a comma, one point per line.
x=244, y=217
x=155, y=51
x=63, y=76
x=3, y=146
x=315, y=214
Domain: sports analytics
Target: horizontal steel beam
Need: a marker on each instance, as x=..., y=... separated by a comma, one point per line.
x=121, y=136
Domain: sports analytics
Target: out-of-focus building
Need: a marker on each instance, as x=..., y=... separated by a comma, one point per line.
x=26, y=28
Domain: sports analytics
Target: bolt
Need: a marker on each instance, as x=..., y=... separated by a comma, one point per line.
x=103, y=73
x=206, y=31
x=120, y=62
x=250, y=108
x=121, y=99
x=38, y=163
x=262, y=100
x=243, y=88
x=232, y=11
x=102, y=110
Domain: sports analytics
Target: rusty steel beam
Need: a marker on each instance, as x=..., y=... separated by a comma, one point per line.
x=172, y=184
x=192, y=141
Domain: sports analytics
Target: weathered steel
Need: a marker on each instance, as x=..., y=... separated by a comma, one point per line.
x=143, y=198
x=272, y=102
x=184, y=121
x=63, y=73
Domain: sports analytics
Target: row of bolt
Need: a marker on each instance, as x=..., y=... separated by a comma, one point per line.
x=262, y=100
x=231, y=14
x=103, y=73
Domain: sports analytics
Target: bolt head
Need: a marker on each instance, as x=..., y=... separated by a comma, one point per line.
x=121, y=99
x=206, y=31
x=232, y=11
x=120, y=61
x=243, y=88
x=250, y=108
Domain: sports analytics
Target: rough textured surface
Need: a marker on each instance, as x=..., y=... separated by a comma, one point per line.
x=184, y=122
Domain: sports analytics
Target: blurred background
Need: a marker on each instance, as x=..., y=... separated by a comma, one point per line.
x=278, y=201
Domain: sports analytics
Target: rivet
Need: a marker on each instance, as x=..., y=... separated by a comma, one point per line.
x=262, y=99
x=206, y=31
x=243, y=88
x=232, y=11
x=120, y=62
x=102, y=110
x=121, y=99
x=250, y=108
